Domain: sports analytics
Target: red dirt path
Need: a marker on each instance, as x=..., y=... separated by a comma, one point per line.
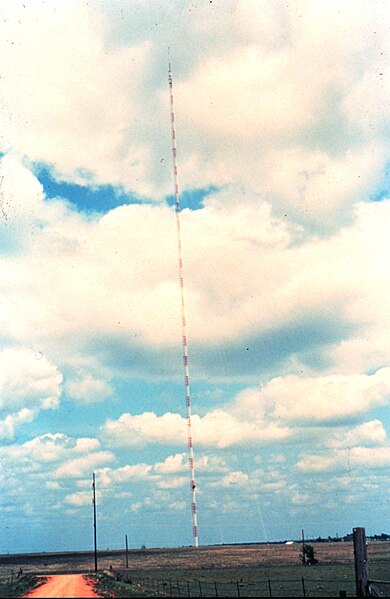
x=64, y=586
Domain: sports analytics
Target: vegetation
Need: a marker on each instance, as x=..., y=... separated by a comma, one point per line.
x=105, y=586
x=19, y=587
x=308, y=555
x=235, y=565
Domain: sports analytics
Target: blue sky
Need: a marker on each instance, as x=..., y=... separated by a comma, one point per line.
x=285, y=229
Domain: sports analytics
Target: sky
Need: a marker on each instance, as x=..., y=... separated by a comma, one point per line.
x=281, y=119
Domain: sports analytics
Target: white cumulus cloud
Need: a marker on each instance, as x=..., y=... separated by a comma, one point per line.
x=29, y=382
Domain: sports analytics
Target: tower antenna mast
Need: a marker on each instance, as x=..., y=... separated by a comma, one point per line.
x=183, y=314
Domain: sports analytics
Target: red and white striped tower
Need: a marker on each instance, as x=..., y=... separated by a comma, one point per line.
x=183, y=317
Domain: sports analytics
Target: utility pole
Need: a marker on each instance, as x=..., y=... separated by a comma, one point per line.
x=303, y=547
x=127, y=552
x=94, y=518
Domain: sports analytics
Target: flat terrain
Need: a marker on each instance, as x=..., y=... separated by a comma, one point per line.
x=251, y=566
x=187, y=558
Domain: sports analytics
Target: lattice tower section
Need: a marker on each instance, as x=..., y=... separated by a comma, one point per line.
x=183, y=316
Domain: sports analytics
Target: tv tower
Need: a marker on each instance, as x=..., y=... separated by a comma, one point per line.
x=183, y=316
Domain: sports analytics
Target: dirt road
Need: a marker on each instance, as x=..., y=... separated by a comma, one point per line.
x=64, y=586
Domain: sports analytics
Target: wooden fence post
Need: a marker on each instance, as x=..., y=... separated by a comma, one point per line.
x=361, y=562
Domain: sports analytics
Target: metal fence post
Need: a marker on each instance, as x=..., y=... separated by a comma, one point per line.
x=238, y=589
x=303, y=587
x=216, y=589
x=269, y=587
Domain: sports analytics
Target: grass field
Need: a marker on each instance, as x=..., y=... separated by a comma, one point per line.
x=250, y=567
x=16, y=588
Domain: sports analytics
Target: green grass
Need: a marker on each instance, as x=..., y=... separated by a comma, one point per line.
x=321, y=580
x=105, y=586
x=19, y=587
x=245, y=568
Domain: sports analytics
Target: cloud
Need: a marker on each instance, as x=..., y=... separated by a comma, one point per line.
x=172, y=473
x=80, y=499
x=235, y=478
x=147, y=427
x=80, y=467
x=178, y=506
x=173, y=483
x=138, y=505
x=217, y=428
x=365, y=458
x=46, y=451
x=285, y=257
x=293, y=401
x=326, y=398
x=29, y=383
x=370, y=433
x=88, y=389
x=28, y=379
x=53, y=447
x=173, y=464
x=21, y=197
x=267, y=415
x=247, y=102
x=42, y=41
x=107, y=277
x=12, y=421
x=53, y=485
x=123, y=475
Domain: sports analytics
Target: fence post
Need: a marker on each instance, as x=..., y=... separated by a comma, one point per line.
x=269, y=587
x=238, y=589
x=216, y=589
x=361, y=563
x=178, y=588
x=188, y=589
x=200, y=589
x=303, y=587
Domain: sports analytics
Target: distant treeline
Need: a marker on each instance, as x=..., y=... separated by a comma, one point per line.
x=349, y=537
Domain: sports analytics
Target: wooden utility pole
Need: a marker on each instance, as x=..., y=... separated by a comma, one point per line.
x=361, y=562
x=127, y=552
x=94, y=519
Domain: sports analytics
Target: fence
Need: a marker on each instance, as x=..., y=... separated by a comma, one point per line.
x=364, y=586
x=265, y=588
x=11, y=576
x=379, y=588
